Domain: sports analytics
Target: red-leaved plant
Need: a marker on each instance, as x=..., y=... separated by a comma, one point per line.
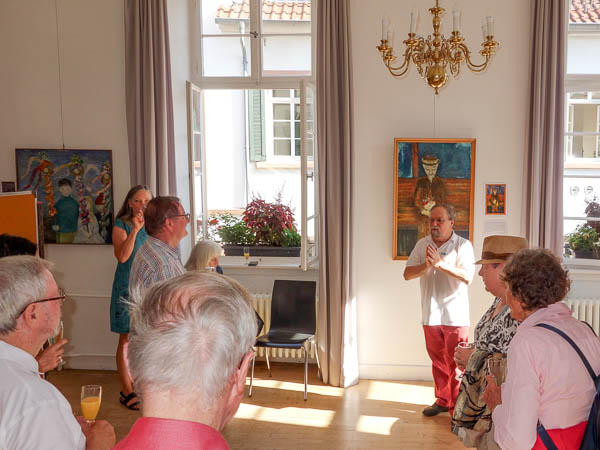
x=269, y=220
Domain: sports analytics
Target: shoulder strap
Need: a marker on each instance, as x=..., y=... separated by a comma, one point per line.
x=545, y=437
x=574, y=345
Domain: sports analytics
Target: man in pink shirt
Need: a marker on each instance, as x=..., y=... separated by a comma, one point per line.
x=189, y=351
x=546, y=379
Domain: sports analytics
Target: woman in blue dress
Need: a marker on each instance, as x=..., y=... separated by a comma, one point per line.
x=128, y=236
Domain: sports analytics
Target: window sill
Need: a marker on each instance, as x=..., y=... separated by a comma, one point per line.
x=282, y=165
x=238, y=262
x=583, y=269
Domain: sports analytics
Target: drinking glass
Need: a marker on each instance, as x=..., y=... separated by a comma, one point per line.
x=91, y=396
x=57, y=337
x=497, y=369
x=246, y=253
x=464, y=345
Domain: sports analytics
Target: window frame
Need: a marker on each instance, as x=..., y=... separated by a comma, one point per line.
x=257, y=80
x=573, y=167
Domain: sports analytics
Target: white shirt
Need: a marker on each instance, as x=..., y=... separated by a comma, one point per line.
x=33, y=413
x=445, y=299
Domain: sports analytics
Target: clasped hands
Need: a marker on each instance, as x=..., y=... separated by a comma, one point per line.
x=432, y=256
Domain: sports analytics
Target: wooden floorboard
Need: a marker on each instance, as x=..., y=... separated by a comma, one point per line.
x=372, y=415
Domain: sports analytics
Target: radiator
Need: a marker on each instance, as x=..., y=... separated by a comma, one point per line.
x=262, y=305
x=587, y=309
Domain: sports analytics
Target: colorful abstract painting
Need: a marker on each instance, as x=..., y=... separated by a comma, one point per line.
x=75, y=190
x=495, y=199
x=429, y=172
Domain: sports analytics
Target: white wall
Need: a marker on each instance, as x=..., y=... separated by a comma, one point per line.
x=491, y=107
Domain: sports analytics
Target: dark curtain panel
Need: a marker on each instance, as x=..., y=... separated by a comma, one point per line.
x=543, y=181
x=149, y=97
x=336, y=333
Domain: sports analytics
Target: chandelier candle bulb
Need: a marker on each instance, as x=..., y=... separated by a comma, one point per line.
x=456, y=20
x=490, y=25
x=384, y=28
x=413, y=21
x=484, y=31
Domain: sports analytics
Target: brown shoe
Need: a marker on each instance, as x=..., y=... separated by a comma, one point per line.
x=434, y=410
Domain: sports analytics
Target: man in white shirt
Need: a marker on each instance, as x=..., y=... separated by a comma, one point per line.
x=444, y=262
x=33, y=413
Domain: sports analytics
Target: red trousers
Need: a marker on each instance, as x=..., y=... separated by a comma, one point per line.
x=441, y=340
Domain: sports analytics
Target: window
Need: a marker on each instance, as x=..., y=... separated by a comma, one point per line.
x=251, y=113
x=581, y=194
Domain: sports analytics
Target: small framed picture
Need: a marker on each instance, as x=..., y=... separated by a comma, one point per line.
x=8, y=186
x=495, y=199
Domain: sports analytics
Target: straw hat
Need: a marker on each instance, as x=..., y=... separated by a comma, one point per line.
x=497, y=249
x=430, y=160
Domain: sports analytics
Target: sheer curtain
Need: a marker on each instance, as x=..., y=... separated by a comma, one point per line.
x=543, y=180
x=149, y=97
x=337, y=344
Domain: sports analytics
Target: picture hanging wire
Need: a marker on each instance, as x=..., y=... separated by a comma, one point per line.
x=62, y=127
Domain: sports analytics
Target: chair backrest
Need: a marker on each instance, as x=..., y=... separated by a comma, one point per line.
x=293, y=306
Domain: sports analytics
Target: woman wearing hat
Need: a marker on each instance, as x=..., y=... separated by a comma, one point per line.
x=471, y=419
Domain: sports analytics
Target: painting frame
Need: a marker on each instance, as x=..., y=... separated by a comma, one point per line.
x=429, y=171
x=495, y=199
x=75, y=189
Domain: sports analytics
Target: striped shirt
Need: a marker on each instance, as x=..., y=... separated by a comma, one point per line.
x=154, y=262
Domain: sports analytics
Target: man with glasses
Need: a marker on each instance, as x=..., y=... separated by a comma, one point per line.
x=189, y=350
x=159, y=258
x=33, y=413
x=444, y=262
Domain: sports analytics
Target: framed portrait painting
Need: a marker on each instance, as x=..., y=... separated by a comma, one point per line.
x=429, y=172
x=495, y=199
x=75, y=188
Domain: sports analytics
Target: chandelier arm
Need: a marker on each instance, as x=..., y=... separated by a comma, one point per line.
x=403, y=68
x=472, y=66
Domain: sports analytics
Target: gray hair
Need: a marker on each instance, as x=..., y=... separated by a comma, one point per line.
x=449, y=210
x=190, y=333
x=23, y=279
x=201, y=255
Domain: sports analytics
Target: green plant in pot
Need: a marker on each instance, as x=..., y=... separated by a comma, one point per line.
x=583, y=241
x=267, y=226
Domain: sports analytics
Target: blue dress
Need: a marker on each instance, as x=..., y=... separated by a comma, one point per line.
x=119, y=311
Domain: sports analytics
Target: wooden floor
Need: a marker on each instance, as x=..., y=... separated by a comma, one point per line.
x=371, y=415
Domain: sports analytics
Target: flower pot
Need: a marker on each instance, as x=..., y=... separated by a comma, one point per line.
x=261, y=250
x=584, y=254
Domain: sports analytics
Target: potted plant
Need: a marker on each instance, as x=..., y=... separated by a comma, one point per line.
x=268, y=228
x=593, y=210
x=583, y=241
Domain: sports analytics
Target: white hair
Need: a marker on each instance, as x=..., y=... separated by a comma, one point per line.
x=190, y=333
x=23, y=279
x=202, y=253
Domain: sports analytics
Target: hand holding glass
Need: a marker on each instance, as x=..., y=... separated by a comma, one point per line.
x=465, y=345
x=57, y=337
x=497, y=369
x=91, y=396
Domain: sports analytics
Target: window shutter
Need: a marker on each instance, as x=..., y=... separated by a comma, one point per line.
x=256, y=122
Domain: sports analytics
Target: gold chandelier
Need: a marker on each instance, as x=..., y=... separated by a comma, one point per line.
x=434, y=55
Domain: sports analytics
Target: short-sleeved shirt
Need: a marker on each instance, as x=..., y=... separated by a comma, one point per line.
x=67, y=214
x=33, y=413
x=153, y=433
x=445, y=299
x=154, y=262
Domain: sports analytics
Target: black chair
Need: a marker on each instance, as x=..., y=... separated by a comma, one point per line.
x=293, y=322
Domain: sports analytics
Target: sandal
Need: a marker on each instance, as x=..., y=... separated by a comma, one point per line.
x=126, y=399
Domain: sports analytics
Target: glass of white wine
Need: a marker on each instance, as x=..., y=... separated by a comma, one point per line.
x=246, y=253
x=57, y=337
x=91, y=396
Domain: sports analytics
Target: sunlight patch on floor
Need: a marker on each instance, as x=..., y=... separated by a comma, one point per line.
x=299, y=387
x=376, y=424
x=400, y=392
x=320, y=418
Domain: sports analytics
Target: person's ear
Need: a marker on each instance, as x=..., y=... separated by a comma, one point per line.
x=236, y=388
x=30, y=314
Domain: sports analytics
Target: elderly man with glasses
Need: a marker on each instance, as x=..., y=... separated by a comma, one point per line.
x=189, y=350
x=159, y=258
x=33, y=413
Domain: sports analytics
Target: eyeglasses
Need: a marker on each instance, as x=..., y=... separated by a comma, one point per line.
x=62, y=296
x=187, y=216
x=438, y=220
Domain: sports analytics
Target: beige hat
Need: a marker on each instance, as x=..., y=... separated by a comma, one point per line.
x=497, y=249
x=430, y=160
